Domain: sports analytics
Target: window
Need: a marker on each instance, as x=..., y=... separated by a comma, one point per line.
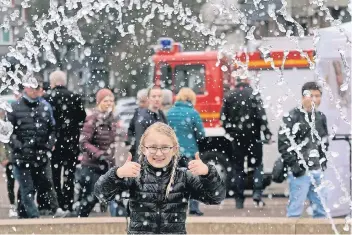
x=228, y=81
x=166, y=76
x=192, y=76
x=5, y=36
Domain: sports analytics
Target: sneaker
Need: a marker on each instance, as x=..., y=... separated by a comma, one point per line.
x=239, y=203
x=199, y=213
x=103, y=207
x=61, y=213
x=12, y=211
x=45, y=212
x=259, y=203
x=72, y=214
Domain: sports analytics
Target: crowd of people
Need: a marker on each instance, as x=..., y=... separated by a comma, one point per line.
x=52, y=134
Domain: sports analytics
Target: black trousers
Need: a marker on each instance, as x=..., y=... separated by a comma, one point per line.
x=10, y=183
x=253, y=151
x=64, y=160
x=89, y=176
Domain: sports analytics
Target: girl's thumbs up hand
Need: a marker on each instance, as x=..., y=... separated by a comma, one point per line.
x=129, y=169
x=197, y=167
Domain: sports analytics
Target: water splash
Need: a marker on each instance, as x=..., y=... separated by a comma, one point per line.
x=250, y=32
x=347, y=71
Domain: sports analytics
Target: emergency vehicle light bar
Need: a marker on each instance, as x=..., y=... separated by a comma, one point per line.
x=166, y=43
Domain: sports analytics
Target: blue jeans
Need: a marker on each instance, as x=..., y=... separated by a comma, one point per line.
x=193, y=205
x=118, y=209
x=30, y=179
x=302, y=188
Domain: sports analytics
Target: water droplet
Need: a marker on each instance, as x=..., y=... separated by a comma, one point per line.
x=307, y=93
x=346, y=227
x=314, y=153
x=6, y=129
x=310, y=211
x=334, y=154
x=87, y=51
x=250, y=32
x=344, y=86
x=295, y=128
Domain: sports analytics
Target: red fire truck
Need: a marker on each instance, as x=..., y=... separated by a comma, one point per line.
x=210, y=77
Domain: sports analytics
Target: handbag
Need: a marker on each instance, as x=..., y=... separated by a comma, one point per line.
x=279, y=172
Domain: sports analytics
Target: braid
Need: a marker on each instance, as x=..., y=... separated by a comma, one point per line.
x=172, y=177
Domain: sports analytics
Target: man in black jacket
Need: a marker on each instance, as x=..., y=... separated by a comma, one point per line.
x=244, y=119
x=31, y=142
x=69, y=115
x=303, y=142
x=142, y=101
x=146, y=117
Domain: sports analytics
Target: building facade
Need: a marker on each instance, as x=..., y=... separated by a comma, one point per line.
x=264, y=16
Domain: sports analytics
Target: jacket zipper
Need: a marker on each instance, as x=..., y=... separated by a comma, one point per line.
x=158, y=221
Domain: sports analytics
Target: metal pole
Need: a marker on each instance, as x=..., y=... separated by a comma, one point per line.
x=347, y=137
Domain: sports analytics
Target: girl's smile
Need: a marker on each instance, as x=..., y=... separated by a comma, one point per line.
x=159, y=159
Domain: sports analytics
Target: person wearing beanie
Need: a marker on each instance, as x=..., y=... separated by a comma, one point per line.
x=101, y=95
x=69, y=115
x=97, y=142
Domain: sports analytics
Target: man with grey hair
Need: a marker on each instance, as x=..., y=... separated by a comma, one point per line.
x=167, y=100
x=142, y=101
x=142, y=98
x=69, y=114
x=58, y=78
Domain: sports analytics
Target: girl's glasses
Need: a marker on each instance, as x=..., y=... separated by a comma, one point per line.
x=153, y=150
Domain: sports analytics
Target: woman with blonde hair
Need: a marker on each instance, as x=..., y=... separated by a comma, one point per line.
x=159, y=190
x=186, y=122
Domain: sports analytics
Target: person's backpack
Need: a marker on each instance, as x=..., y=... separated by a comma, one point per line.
x=279, y=172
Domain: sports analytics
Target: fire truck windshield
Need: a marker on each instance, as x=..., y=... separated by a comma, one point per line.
x=178, y=76
x=192, y=76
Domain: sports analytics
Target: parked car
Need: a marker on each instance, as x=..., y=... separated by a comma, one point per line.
x=124, y=110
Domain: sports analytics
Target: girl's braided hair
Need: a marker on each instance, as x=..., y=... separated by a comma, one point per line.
x=164, y=129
